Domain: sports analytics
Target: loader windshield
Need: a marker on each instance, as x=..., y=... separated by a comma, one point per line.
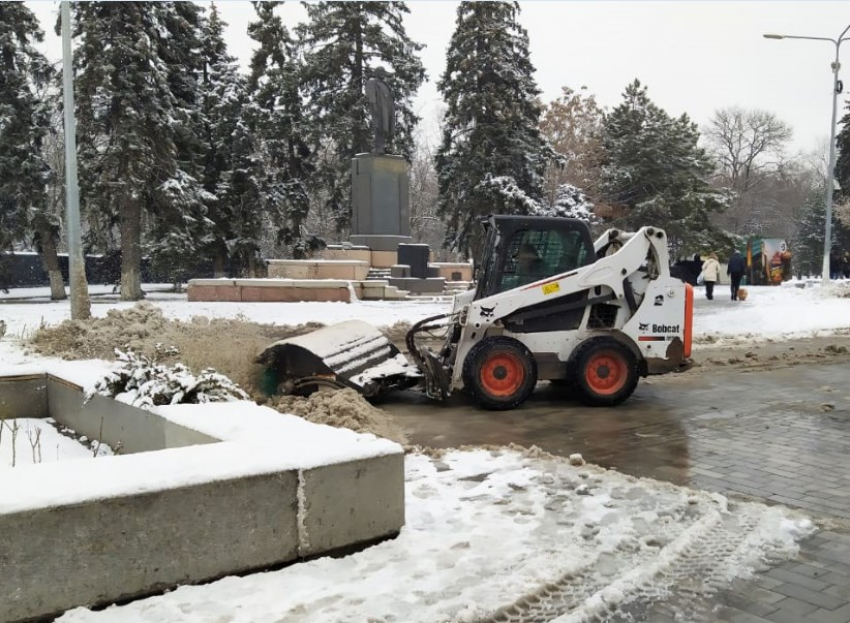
x=533, y=255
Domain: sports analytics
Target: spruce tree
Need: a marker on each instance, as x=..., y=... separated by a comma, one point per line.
x=179, y=205
x=492, y=157
x=808, y=250
x=277, y=119
x=25, y=125
x=344, y=43
x=131, y=98
x=570, y=202
x=656, y=174
x=808, y=254
x=842, y=162
x=231, y=164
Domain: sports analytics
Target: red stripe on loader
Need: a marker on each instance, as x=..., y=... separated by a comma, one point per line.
x=689, y=318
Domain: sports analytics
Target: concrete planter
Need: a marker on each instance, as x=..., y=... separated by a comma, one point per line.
x=199, y=495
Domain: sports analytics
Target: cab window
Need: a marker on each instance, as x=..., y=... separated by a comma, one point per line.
x=533, y=255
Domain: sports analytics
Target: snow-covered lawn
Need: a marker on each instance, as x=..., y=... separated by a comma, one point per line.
x=489, y=530
x=768, y=312
x=28, y=441
x=772, y=313
x=23, y=318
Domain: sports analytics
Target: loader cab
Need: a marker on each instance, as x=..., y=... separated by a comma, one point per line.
x=519, y=250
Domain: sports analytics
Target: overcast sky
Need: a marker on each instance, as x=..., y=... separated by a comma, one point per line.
x=695, y=57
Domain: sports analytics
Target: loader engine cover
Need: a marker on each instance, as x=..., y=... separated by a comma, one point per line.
x=348, y=354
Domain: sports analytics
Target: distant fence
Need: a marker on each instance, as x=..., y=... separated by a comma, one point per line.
x=25, y=270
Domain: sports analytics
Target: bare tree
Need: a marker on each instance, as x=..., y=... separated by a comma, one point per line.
x=749, y=147
x=746, y=142
x=323, y=220
x=425, y=226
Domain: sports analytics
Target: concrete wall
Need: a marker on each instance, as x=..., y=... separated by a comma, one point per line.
x=114, y=423
x=290, y=290
x=347, y=501
x=270, y=290
x=58, y=558
x=96, y=548
x=448, y=270
x=319, y=269
x=384, y=259
x=338, y=253
x=23, y=396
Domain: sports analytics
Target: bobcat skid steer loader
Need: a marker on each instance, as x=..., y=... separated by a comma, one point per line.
x=550, y=304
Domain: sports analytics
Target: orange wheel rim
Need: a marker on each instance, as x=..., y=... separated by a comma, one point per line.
x=606, y=373
x=502, y=375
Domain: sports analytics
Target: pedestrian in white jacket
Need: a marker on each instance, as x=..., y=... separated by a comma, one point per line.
x=710, y=275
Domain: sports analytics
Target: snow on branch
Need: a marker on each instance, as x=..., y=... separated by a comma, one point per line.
x=570, y=202
x=506, y=189
x=141, y=382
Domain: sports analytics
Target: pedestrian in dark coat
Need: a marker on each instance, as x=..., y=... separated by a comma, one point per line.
x=735, y=269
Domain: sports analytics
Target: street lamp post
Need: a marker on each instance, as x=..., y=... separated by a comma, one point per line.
x=836, y=89
x=80, y=303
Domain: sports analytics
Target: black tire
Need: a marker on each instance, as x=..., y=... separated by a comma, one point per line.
x=606, y=372
x=500, y=372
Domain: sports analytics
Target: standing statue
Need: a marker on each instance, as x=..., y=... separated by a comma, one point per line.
x=381, y=106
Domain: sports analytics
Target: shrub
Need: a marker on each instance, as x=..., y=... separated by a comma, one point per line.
x=142, y=382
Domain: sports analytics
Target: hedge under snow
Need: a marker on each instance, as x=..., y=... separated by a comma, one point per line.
x=141, y=382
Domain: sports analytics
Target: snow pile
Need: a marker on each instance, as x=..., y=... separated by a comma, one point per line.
x=31, y=441
x=835, y=289
x=341, y=409
x=132, y=328
x=141, y=382
x=228, y=346
x=493, y=535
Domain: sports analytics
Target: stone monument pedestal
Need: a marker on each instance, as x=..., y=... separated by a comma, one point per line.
x=380, y=202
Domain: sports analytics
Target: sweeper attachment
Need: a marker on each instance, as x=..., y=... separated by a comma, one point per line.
x=349, y=354
x=549, y=304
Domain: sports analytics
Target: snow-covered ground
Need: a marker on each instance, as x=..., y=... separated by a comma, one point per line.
x=494, y=529
x=43, y=294
x=772, y=313
x=768, y=312
x=28, y=441
x=24, y=318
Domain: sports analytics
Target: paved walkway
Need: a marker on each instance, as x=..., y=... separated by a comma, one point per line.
x=779, y=436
